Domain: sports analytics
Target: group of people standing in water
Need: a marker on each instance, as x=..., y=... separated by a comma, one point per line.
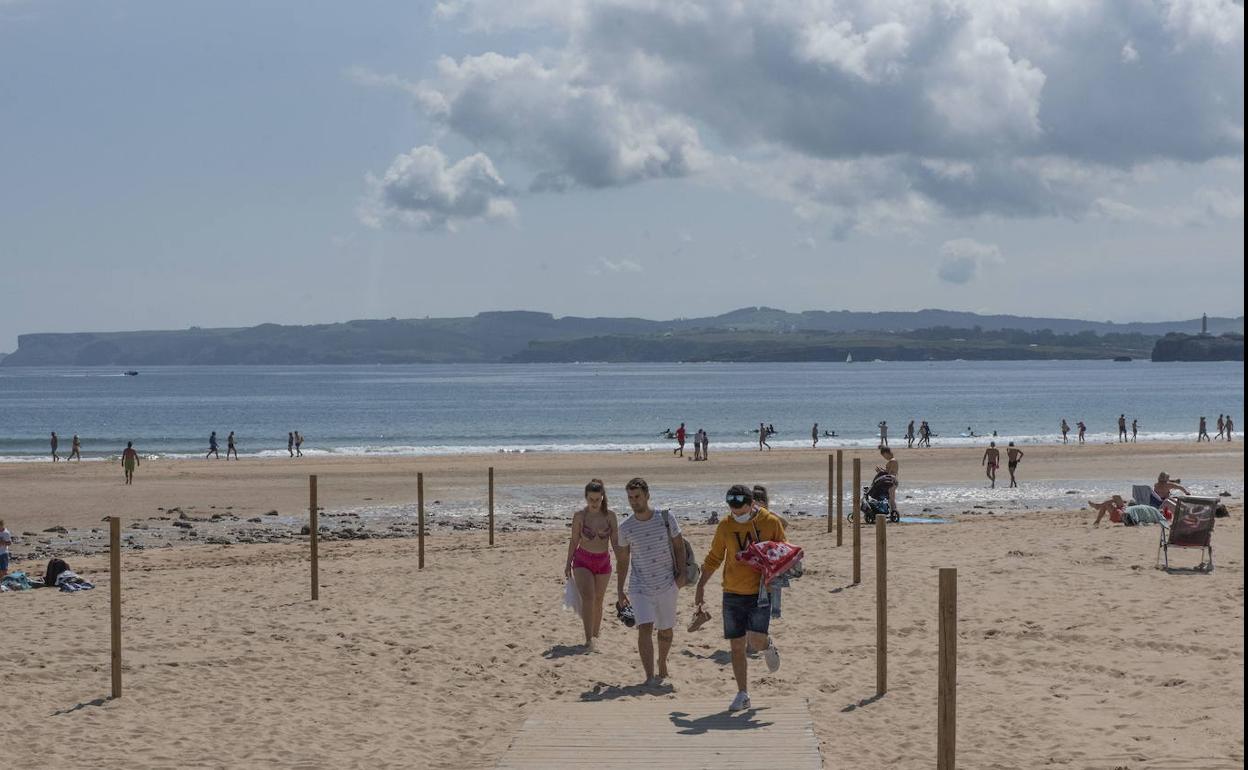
x=653, y=564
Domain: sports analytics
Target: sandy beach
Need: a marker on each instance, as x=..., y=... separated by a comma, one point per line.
x=1073, y=650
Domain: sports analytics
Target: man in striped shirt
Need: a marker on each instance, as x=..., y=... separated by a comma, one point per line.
x=648, y=539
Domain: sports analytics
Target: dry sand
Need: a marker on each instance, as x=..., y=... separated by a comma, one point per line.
x=1073, y=650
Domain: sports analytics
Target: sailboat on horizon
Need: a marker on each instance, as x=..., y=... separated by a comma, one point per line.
x=849, y=358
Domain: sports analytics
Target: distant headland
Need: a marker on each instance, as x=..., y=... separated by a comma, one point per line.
x=748, y=334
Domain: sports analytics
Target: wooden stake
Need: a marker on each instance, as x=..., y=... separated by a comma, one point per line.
x=114, y=604
x=831, y=506
x=881, y=606
x=491, y=505
x=857, y=514
x=840, y=495
x=314, y=530
x=946, y=708
x=420, y=521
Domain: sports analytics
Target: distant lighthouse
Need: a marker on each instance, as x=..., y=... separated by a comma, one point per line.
x=1204, y=324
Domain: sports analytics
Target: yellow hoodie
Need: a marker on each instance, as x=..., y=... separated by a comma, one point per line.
x=730, y=538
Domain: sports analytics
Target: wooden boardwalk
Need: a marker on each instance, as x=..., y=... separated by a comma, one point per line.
x=661, y=733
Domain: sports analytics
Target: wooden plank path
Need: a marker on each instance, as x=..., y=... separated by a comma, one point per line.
x=666, y=732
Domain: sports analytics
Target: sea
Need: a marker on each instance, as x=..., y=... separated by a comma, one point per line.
x=169, y=411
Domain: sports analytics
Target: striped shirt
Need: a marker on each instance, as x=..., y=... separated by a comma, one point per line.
x=651, y=569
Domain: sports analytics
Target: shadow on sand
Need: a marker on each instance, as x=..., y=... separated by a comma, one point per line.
x=721, y=720
x=83, y=705
x=603, y=691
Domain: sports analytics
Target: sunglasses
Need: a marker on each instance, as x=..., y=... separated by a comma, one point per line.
x=736, y=501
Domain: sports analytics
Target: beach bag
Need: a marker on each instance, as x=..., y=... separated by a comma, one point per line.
x=771, y=558
x=693, y=570
x=571, y=596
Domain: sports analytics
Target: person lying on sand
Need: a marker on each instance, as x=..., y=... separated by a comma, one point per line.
x=1114, y=506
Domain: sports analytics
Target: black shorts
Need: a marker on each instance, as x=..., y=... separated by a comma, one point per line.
x=742, y=613
x=1013, y=465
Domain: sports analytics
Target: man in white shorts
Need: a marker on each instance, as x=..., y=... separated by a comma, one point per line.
x=647, y=541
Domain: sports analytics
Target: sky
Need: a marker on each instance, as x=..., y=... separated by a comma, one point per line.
x=166, y=165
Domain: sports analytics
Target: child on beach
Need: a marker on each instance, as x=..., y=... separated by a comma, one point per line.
x=594, y=534
x=6, y=540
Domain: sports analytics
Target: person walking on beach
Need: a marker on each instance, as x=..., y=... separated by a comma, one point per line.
x=1221, y=425
x=992, y=459
x=652, y=550
x=1230, y=427
x=298, y=444
x=6, y=540
x=75, y=449
x=814, y=436
x=910, y=435
x=129, y=461
x=925, y=435
x=1065, y=432
x=212, y=447
x=55, y=442
x=230, y=449
x=1083, y=429
x=892, y=468
x=746, y=610
x=1203, y=435
x=1122, y=428
x=706, y=443
x=762, y=438
x=290, y=443
x=594, y=534
x=1013, y=456
x=883, y=433
x=1135, y=428
x=680, y=441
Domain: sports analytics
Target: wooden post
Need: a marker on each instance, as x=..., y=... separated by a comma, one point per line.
x=946, y=709
x=831, y=506
x=314, y=531
x=857, y=514
x=881, y=606
x=840, y=495
x=491, y=505
x=420, y=520
x=114, y=604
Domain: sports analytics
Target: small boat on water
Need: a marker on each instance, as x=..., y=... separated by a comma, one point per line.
x=1122, y=359
x=132, y=373
x=849, y=358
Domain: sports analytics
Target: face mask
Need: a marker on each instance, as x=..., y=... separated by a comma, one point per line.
x=743, y=518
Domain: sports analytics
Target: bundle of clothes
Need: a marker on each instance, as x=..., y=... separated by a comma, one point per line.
x=57, y=575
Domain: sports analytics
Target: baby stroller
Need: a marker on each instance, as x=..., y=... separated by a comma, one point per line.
x=875, y=499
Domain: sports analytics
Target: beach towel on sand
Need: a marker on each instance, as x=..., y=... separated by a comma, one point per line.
x=771, y=558
x=1141, y=514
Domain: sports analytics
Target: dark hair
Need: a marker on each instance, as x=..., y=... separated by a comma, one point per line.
x=760, y=494
x=740, y=490
x=885, y=450
x=596, y=485
x=129, y=444
x=638, y=483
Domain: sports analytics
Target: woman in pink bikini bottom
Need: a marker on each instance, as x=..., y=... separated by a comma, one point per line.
x=595, y=532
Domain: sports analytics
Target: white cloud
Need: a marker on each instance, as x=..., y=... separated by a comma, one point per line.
x=962, y=259
x=866, y=113
x=420, y=189
x=620, y=265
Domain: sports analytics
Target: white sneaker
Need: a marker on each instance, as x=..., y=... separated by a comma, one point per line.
x=741, y=702
x=772, y=656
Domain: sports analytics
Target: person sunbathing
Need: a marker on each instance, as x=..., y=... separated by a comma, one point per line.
x=1114, y=506
x=1165, y=486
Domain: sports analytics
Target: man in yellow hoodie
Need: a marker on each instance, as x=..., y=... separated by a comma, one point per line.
x=746, y=607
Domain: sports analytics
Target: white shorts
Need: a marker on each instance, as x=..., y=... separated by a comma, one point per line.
x=659, y=609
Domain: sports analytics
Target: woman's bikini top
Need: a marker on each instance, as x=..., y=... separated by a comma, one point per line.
x=589, y=534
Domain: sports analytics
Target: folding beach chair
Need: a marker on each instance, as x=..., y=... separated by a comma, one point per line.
x=1143, y=494
x=1192, y=527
